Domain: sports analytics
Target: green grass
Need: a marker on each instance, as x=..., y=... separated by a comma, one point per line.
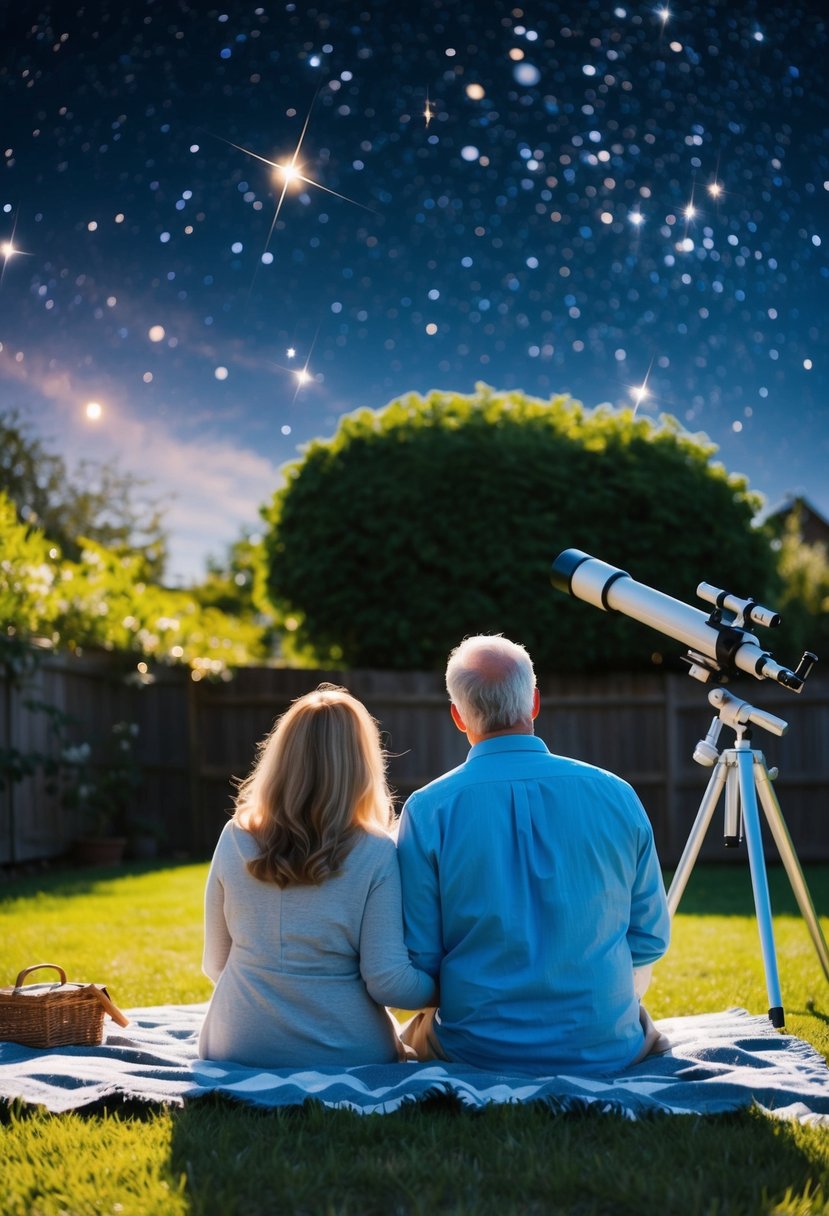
x=139, y=929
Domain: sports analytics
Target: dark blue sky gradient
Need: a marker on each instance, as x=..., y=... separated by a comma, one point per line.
x=533, y=233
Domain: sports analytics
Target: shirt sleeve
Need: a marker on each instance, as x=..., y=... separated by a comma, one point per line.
x=422, y=917
x=385, y=964
x=650, y=923
x=217, y=939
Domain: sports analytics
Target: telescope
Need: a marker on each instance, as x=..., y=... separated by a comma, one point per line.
x=720, y=642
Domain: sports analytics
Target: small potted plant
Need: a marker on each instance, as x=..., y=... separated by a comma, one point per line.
x=103, y=792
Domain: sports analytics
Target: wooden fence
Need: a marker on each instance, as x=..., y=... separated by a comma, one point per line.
x=194, y=738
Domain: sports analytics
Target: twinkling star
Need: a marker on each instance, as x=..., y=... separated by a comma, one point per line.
x=640, y=392
x=8, y=250
x=291, y=174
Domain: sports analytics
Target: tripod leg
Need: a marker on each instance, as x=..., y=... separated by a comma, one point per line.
x=788, y=856
x=759, y=881
x=697, y=834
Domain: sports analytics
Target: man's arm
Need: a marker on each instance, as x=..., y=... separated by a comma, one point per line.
x=649, y=931
x=421, y=894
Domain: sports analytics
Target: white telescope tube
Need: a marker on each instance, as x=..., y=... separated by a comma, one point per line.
x=724, y=646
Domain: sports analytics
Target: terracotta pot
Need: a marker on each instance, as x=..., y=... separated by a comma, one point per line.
x=99, y=850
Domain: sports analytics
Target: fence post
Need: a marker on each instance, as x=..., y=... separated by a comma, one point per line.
x=194, y=765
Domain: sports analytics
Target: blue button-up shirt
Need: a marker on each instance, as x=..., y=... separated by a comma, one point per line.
x=532, y=888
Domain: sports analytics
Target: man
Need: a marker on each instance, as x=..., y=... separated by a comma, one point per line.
x=531, y=890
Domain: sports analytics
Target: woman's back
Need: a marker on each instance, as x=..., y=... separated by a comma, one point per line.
x=302, y=971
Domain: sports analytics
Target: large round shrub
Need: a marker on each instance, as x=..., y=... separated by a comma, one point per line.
x=438, y=517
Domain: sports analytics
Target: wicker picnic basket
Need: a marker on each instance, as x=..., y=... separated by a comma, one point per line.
x=57, y=1014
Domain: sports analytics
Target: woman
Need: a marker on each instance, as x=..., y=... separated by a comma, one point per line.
x=303, y=919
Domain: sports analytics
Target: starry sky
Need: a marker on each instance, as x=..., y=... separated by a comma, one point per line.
x=223, y=227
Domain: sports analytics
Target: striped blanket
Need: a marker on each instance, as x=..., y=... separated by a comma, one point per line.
x=718, y=1062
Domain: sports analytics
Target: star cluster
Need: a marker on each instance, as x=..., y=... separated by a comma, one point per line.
x=252, y=218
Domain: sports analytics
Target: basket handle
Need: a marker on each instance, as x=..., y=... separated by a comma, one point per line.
x=112, y=1009
x=36, y=967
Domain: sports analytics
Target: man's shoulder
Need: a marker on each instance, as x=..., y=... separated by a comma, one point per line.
x=438, y=786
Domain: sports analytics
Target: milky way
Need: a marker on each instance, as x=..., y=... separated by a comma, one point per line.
x=627, y=203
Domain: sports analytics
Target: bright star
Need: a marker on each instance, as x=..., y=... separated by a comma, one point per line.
x=640, y=392
x=8, y=250
x=715, y=189
x=291, y=352
x=292, y=174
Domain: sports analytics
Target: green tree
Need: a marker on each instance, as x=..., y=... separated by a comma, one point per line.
x=804, y=597
x=27, y=572
x=97, y=501
x=438, y=517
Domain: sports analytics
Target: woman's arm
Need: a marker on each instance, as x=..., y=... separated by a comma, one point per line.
x=384, y=960
x=217, y=939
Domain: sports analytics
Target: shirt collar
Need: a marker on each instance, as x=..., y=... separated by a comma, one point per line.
x=507, y=743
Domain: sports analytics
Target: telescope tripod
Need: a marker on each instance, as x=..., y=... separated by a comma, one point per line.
x=742, y=773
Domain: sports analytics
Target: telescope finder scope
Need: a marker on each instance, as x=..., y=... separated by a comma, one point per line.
x=718, y=643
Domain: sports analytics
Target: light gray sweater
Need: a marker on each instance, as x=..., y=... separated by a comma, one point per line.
x=302, y=972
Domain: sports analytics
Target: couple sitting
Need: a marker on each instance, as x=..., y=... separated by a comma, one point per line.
x=520, y=911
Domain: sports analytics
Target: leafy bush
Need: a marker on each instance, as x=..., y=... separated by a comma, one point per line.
x=103, y=600
x=438, y=517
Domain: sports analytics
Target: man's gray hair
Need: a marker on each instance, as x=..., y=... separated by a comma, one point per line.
x=491, y=682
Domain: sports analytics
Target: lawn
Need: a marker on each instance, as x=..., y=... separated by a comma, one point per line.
x=139, y=929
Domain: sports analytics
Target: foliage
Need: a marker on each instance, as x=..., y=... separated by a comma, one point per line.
x=225, y=1158
x=233, y=586
x=804, y=599
x=97, y=501
x=229, y=584
x=103, y=600
x=26, y=571
x=80, y=559
x=437, y=517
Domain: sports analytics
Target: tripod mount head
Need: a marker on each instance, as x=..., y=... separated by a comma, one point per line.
x=740, y=716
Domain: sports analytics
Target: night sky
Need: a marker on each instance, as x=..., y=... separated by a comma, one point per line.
x=581, y=198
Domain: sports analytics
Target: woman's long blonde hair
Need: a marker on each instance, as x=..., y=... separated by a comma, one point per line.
x=319, y=776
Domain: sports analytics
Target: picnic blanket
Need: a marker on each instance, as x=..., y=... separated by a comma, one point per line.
x=718, y=1062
